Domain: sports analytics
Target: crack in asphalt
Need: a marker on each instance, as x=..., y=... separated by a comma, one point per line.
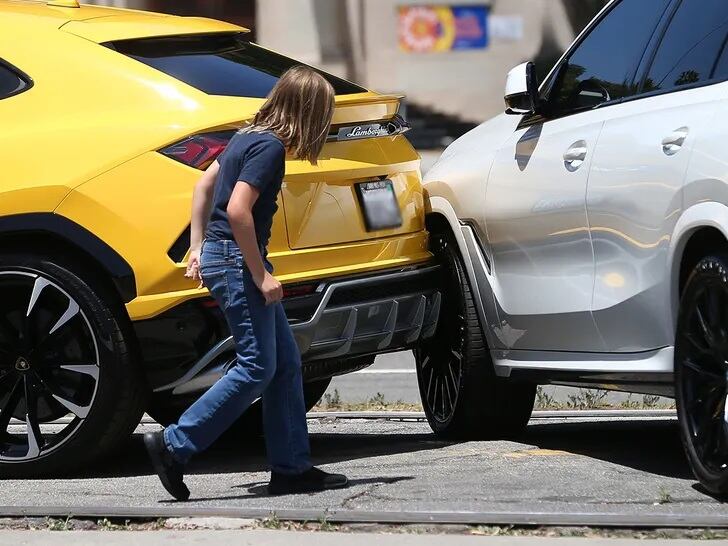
x=369, y=492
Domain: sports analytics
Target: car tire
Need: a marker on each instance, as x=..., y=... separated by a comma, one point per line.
x=65, y=352
x=701, y=372
x=462, y=397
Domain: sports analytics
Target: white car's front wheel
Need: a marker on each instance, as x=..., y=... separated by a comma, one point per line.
x=461, y=395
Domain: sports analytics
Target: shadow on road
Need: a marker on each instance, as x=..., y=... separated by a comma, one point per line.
x=649, y=446
x=232, y=455
x=260, y=489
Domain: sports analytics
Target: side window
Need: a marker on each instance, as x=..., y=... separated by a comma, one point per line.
x=721, y=67
x=11, y=83
x=690, y=50
x=601, y=67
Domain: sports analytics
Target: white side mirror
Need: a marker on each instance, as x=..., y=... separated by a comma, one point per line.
x=521, y=90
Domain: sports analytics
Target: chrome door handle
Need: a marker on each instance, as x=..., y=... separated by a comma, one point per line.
x=575, y=155
x=673, y=142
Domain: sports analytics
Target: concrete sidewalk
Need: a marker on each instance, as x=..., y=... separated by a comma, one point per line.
x=286, y=538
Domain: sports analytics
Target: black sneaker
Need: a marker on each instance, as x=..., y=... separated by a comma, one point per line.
x=306, y=482
x=168, y=470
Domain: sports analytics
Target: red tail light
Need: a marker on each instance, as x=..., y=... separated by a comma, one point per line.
x=300, y=290
x=288, y=292
x=199, y=151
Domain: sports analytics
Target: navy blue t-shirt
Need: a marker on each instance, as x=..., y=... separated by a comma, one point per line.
x=258, y=159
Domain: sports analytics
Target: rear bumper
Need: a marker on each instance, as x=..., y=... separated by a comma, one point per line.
x=342, y=320
x=371, y=314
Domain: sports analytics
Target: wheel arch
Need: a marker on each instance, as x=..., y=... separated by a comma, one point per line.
x=701, y=229
x=54, y=233
x=441, y=215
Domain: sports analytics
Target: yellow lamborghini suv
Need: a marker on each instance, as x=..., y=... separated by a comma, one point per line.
x=107, y=118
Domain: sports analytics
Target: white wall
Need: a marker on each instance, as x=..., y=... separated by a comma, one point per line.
x=466, y=83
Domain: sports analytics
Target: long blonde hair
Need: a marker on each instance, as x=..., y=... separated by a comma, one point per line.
x=299, y=110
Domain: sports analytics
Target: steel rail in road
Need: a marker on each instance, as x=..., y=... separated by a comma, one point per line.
x=550, y=414
x=560, y=519
x=420, y=416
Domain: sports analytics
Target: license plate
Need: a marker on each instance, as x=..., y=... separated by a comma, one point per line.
x=379, y=204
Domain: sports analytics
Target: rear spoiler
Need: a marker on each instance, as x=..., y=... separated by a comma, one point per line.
x=363, y=107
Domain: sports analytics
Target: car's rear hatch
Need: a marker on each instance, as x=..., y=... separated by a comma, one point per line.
x=324, y=205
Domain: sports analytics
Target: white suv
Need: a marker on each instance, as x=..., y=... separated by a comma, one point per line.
x=585, y=233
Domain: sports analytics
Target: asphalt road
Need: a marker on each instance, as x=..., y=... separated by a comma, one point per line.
x=628, y=466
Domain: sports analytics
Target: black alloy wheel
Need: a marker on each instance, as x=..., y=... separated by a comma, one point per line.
x=49, y=365
x=701, y=372
x=63, y=400
x=440, y=359
x=461, y=395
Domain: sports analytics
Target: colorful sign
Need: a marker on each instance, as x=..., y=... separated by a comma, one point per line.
x=431, y=29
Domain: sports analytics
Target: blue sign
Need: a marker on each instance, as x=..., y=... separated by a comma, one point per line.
x=471, y=27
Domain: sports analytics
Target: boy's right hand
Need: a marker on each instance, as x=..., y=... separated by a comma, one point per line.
x=193, y=267
x=271, y=289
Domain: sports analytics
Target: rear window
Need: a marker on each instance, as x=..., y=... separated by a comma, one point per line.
x=219, y=64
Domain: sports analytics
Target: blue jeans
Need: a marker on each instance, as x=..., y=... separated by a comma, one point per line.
x=268, y=366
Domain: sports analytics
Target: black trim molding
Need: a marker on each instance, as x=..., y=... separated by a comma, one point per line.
x=85, y=241
x=22, y=75
x=179, y=248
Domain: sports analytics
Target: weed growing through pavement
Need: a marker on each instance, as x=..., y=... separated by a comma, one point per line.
x=36, y=524
x=106, y=524
x=271, y=522
x=545, y=401
x=650, y=402
x=333, y=402
x=587, y=399
x=665, y=497
x=55, y=524
x=583, y=399
x=629, y=404
x=325, y=525
x=590, y=399
x=646, y=402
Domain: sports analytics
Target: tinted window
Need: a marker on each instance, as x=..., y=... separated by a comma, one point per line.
x=11, y=83
x=721, y=67
x=222, y=64
x=691, y=46
x=600, y=69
